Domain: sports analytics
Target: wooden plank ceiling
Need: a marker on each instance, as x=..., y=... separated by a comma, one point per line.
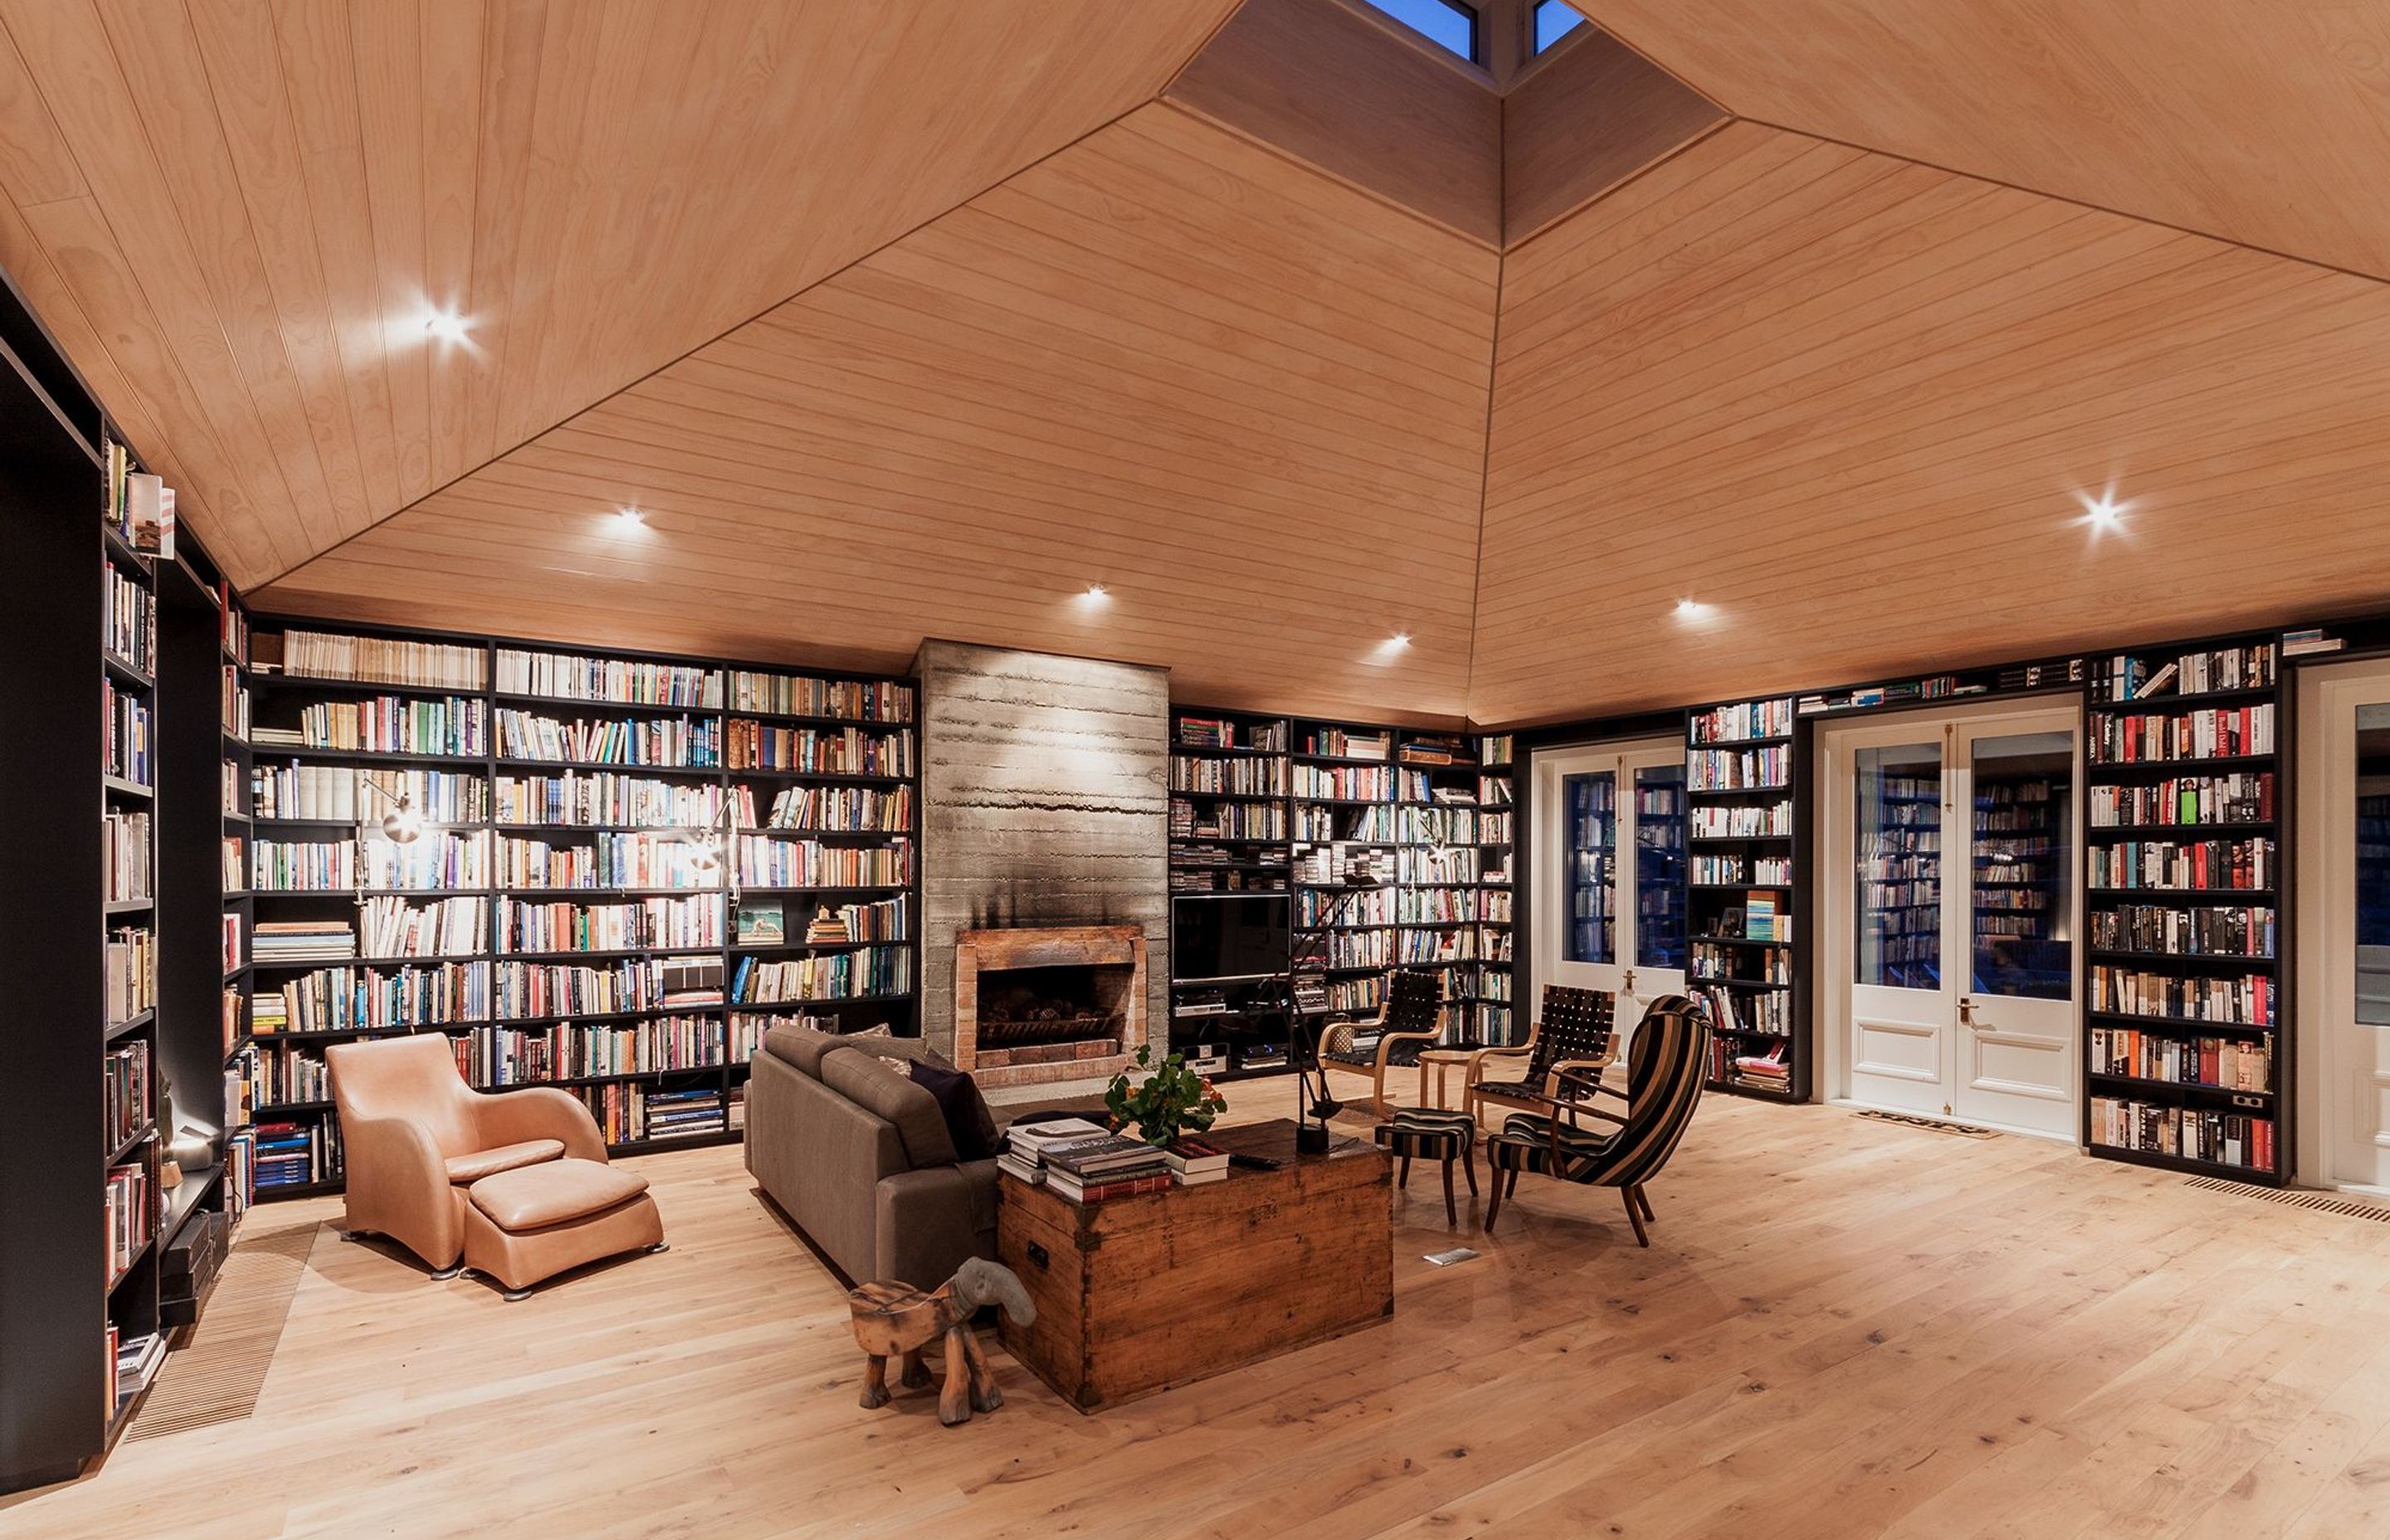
x=235, y=213
x=1850, y=401
x=2266, y=121
x=1246, y=399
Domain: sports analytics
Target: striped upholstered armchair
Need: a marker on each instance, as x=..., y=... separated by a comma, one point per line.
x=1664, y=1071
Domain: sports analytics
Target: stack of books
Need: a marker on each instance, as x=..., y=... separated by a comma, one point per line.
x=301, y=941
x=1195, y=1162
x=1766, y=1072
x=1025, y=1145
x=1111, y=1165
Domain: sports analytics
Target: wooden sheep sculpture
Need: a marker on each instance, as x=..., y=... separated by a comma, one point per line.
x=896, y=1320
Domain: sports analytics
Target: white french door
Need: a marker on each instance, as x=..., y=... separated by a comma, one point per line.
x=1952, y=893
x=1609, y=909
x=2343, y=930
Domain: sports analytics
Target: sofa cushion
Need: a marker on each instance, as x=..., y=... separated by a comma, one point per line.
x=554, y=1192
x=876, y=1086
x=969, y=1122
x=468, y=1169
x=802, y=1047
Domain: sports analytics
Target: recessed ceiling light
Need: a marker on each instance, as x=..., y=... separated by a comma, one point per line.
x=1095, y=594
x=1400, y=638
x=2104, y=512
x=1688, y=608
x=445, y=325
x=629, y=519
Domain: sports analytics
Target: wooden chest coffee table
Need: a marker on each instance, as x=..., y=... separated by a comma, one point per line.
x=1138, y=1294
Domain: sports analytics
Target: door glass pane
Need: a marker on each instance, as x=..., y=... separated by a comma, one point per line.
x=2373, y=865
x=2023, y=904
x=1898, y=890
x=1660, y=865
x=1592, y=803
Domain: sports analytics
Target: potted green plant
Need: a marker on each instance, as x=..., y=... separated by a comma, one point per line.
x=1173, y=1100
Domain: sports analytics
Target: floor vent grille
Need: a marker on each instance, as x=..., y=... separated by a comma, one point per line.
x=1934, y=1125
x=2320, y=1202
x=217, y=1376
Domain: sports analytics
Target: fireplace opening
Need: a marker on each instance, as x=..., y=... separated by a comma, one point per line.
x=1046, y=1003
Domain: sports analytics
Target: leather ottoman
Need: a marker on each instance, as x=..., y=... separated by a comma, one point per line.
x=526, y=1225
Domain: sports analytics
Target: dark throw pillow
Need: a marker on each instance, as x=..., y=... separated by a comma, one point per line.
x=969, y=1123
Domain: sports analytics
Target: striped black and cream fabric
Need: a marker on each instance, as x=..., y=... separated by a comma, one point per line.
x=1663, y=1084
x=1427, y=1133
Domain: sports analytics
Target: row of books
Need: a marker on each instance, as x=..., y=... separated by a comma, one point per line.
x=2221, y=1138
x=608, y=860
x=1743, y=720
x=805, y=695
x=1771, y=966
x=1227, y=820
x=1739, y=769
x=2242, y=797
x=1746, y=1012
x=1218, y=732
x=495, y=1056
x=127, y=748
x=133, y=1363
x=284, y=1153
x=631, y=1113
x=1721, y=871
x=2227, y=1063
x=868, y=971
x=125, y=1097
x=377, y=659
x=128, y=619
x=2214, y=733
x=1437, y=864
x=577, y=798
x=1240, y=777
x=2202, y=865
x=346, y=999
x=749, y=745
x=844, y=809
x=2192, y=930
x=233, y=704
x=276, y=1077
x=2227, y=668
x=132, y=1215
x=431, y=864
x=575, y=677
x=1373, y=823
x=1772, y=821
x=632, y=925
x=1339, y=743
x=131, y=972
x=1344, y=782
x=584, y=989
x=2246, y=1001
x=672, y=743
x=325, y=793
x=386, y=725
x=124, y=857
x=767, y=863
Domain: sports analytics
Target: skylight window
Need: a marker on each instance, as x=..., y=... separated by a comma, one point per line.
x=1554, y=20
x=1446, y=23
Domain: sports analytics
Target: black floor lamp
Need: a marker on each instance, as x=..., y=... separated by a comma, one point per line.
x=1314, y=1106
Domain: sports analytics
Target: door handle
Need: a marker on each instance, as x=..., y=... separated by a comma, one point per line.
x=1967, y=1014
x=1629, y=988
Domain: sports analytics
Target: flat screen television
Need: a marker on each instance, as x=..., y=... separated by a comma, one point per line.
x=1229, y=936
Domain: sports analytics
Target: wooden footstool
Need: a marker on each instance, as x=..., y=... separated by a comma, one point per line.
x=1432, y=1133
x=526, y=1225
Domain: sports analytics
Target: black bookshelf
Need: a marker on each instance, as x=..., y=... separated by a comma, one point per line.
x=835, y=744
x=1229, y=811
x=1487, y=996
x=2188, y=1054
x=1746, y=846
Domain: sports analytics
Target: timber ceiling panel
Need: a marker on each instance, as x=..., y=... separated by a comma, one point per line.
x=2266, y=121
x=1248, y=400
x=1849, y=401
x=234, y=213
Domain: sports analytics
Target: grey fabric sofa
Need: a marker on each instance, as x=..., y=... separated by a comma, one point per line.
x=859, y=1157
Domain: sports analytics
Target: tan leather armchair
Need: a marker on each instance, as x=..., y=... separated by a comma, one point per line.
x=417, y=1138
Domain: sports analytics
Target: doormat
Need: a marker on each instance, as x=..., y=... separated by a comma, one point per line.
x=1907, y=1120
x=217, y=1376
x=2320, y=1203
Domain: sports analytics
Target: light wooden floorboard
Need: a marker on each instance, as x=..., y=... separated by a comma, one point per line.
x=1841, y=1329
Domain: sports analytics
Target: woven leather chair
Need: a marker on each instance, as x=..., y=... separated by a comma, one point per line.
x=1571, y=1032
x=1665, y=1070
x=1407, y=1022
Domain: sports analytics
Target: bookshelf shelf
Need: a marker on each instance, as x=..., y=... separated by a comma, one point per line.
x=2192, y=753
x=497, y=670
x=1743, y=757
